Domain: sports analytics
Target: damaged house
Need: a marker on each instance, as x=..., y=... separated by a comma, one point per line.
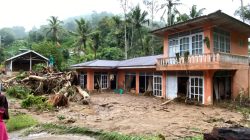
x=25, y=61
x=204, y=60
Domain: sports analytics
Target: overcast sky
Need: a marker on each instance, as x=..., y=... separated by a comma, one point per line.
x=30, y=13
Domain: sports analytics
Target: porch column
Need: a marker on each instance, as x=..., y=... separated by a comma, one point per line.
x=90, y=80
x=137, y=86
x=164, y=79
x=121, y=79
x=30, y=62
x=11, y=65
x=208, y=87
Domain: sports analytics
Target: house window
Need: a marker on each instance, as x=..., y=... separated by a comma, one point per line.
x=173, y=47
x=184, y=45
x=83, y=80
x=221, y=41
x=157, y=88
x=197, y=44
x=196, y=88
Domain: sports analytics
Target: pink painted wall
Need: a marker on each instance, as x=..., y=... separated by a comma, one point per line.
x=240, y=81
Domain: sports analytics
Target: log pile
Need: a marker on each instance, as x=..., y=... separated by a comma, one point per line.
x=61, y=86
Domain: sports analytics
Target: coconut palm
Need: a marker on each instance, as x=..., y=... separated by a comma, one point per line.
x=96, y=41
x=170, y=6
x=138, y=19
x=81, y=34
x=196, y=13
x=54, y=28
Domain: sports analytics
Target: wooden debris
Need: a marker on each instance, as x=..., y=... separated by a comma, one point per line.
x=168, y=101
x=62, y=84
x=240, y=133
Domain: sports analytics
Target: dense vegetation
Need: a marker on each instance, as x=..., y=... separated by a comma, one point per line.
x=100, y=35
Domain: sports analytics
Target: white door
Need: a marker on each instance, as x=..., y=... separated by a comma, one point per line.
x=196, y=88
x=104, y=81
x=171, y=87
x=157, y=86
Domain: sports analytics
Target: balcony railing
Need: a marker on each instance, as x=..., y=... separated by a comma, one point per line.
x=204, y=58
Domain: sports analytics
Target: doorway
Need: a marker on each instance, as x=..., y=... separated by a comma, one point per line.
x=222, y=86
x=113, y=81
x=182, y=86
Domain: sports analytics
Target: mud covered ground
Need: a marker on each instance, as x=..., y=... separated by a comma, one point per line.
x=130, y=114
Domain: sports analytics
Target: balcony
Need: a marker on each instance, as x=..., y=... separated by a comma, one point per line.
x=204, y=62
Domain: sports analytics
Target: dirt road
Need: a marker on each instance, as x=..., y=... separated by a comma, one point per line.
x=131, y=114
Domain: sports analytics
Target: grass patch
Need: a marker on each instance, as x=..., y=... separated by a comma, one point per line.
x=20, y=121
x=198, y=137
x=100, y=135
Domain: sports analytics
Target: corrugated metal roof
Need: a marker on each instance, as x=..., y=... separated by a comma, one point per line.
x=24, y=53
x=134, y=62
x=140, y=61
x=98, y=63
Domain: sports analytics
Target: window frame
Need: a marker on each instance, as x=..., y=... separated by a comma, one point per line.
x=196, y=86
x=221, y=39
x=190, y=48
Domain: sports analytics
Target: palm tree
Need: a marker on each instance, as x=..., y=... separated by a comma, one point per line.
x=172, y=10
x=196, y=13
x=54, y=28
x=138, y=19
x=81, y=34
x=96, y=41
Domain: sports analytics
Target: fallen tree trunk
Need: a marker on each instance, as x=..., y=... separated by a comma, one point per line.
x=84, y=94
x=34, y=77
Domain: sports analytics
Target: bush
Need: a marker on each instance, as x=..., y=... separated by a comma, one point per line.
x=21, y=75
x=39, y=67
x=38, y=102
x=19, y=92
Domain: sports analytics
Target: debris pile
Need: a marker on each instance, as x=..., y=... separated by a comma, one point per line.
x=240, y=133
x=62, y=86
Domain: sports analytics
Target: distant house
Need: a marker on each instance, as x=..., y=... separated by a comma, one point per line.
x=25, y=61
x=204, y=60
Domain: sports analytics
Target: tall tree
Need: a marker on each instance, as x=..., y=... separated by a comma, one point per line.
x=244, y=13
x=7, y=36
x=96, y=41
x=138, y=19
x=171, y=9
x=54, y=28
x=81, y=34
x=153, y=7
x=124, y=5
x=194, y=12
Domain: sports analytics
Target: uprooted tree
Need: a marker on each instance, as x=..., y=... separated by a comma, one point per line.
x=62, y=86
